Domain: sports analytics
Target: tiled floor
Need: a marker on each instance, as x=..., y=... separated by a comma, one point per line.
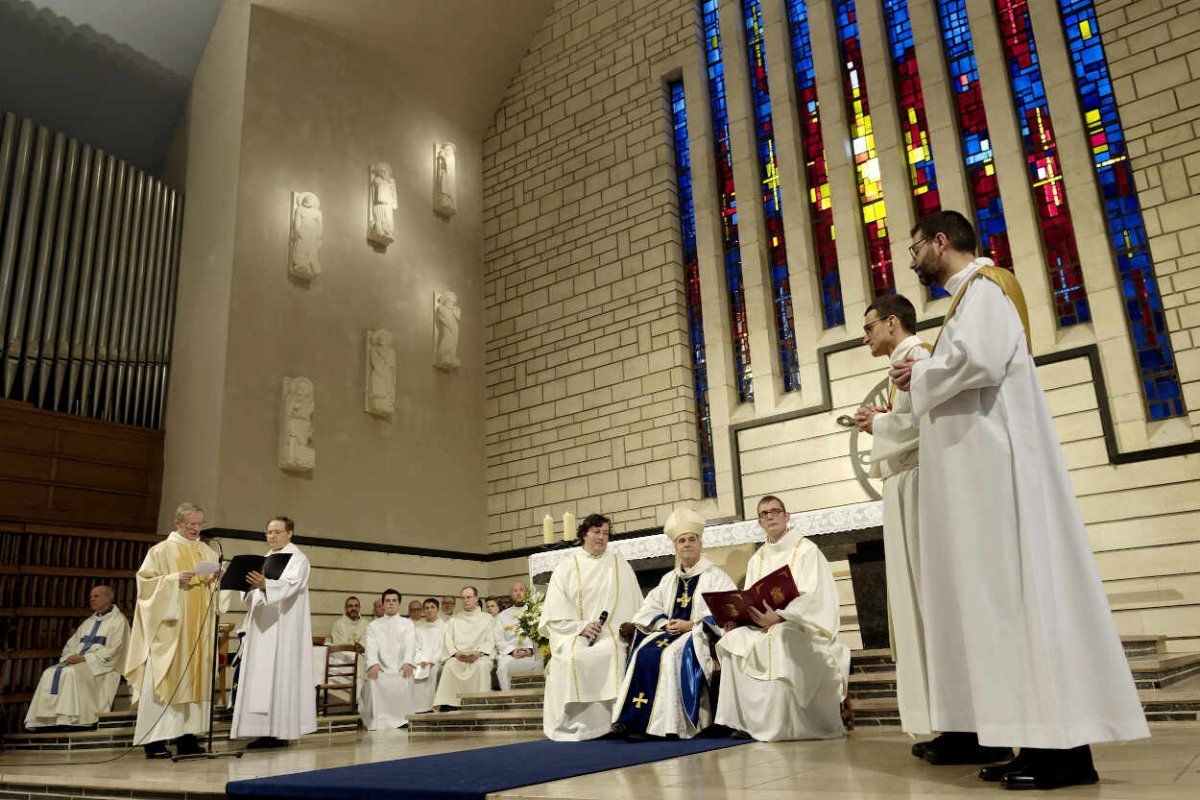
x=871, y=765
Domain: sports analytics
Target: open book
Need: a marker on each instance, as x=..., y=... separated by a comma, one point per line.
x=775, y=589
x=240, y=566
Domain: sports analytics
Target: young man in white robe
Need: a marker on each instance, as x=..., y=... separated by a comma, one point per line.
x=275, y=701
x=890, y=330
x=387, y=693
x=784, y=677
x=431, y=631
x=515, y=654
x=1020, y=642
x=169, y=659
x=73, y=692
x=591, y=594
x=666, y=688
x=468, y=644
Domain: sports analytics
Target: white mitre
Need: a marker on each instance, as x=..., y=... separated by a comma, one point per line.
x=683, y=520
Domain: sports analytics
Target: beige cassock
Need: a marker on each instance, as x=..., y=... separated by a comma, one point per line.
x=508, y=639
x=75, y=694
x=788, y=681
x=582, y=681
x=894, y=459
x=466, y=632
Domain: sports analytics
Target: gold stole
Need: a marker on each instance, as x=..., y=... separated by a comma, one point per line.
x=1011, y=288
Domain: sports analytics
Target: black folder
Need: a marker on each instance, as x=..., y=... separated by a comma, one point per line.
x=240, y=566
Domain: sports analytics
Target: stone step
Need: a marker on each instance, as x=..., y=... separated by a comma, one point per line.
x=1160, y=670
x=128, y=717
x=864, y=685
x=1143, y=645
x=528, y=681
x=489, y=721
x=119, y=737
x=517, y=698
x=874, y=660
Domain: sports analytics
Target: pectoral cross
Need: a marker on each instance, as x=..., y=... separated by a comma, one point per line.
x=684, y=600
x=640, y=700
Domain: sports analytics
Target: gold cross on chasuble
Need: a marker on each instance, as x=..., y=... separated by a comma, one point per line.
x=663, y=642
x=640, y=700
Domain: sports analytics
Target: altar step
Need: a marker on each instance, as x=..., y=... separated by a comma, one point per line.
x=489, y=720
x=116, y=728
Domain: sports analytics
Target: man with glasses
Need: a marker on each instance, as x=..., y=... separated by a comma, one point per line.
x=784, y=677
x=889, y=330
x=1020, y=642
x=468, y=644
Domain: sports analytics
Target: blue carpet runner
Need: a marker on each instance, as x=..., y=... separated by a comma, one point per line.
x=470, y=773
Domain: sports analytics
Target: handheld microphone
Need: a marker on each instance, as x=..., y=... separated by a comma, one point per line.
x=603, y=619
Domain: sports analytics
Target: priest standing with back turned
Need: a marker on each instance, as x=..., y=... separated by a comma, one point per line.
x=1020, y=642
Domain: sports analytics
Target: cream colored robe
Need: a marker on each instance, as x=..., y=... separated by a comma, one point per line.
x=508, y=639
x=387, y=701
x=75, y=694
x=466, y=632
x=430, y=637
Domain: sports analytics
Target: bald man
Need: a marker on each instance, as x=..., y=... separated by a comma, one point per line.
x=515, y=655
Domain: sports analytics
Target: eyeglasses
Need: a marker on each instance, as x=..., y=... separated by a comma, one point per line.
x=771, y=513
x=873, y=323
x=912, y=248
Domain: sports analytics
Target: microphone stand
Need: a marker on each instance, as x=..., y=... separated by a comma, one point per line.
x=213, y=673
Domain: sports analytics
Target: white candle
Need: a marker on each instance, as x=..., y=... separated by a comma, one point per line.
x=548, y=530
x=568, y=527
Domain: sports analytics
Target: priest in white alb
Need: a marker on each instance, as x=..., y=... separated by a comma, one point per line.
x=890, y=330
x=785, y=676
x=275, y=701
x=515, y=654
x=592, y=592
x=387, y=693
x=1019, y=637
x=431, y=631
x=351, y=627
x=666, y=690
x=468, y=644
x=73, y=692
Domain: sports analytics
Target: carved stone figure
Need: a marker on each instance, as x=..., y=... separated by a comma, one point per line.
x=443, y=180
x=296, y=453
x=381, y=227
x=381, y=374
x=307, y=231
x=446, y=317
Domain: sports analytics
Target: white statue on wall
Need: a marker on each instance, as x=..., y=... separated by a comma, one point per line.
x=381, y=226
x=307, y=231
x=381, y=374
x=446, y=317
x=296, y=453
x=443, y=180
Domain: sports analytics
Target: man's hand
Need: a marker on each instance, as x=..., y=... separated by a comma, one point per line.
x=185, y=578
x=257, y=580
x=591, y=630
x=678, y=626
x=522, y=652
x=473, y=657
x=74, y=659
x=374, y=672
x=406, y=670
x=765, y=618
x=864, y=418
x=901, y=374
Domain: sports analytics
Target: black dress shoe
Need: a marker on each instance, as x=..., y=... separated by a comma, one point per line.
x=157, y=750
x=1054, y=769
x=918, y=749
x=188, y=745
x=962, y=748
x=994, y=773
x=741, y=735
x=266, y=743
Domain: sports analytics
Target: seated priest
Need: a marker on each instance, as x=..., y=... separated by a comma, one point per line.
x=515, y=654
x=785, y=676
x=350, y=628
x=592, y=592
x=468, y=644
x=414, y=611
x=73, y=692
x=387, y=693
x=666, y=688
x=431, y=630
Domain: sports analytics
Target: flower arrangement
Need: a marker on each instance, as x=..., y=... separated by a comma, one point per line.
x=527, y=623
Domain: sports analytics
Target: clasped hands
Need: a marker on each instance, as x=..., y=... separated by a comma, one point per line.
x=468, y=658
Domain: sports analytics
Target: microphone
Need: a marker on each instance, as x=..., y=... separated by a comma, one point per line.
x=603, y=619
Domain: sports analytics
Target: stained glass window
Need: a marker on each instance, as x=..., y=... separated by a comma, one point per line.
x=1045, y=171
x=918, y=153
x=862, y=141
x=976, y=141
x=812, y=145
x=1123, y=213
x=691, y=279
x=728, y=203
x=768, y=167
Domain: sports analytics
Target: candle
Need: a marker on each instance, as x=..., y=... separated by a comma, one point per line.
x=548, y=530
x=568, y=527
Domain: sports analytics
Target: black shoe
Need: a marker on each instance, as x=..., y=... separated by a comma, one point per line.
x=188, y=745
x=266, y=743
x=157, y=750
x=962, y=748
x=994, y=773
x=741, y=735
x=1054, y=769
x=919, y=748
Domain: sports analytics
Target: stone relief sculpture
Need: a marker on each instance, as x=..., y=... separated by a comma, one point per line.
x=446, y=318
x=307, y=231
x=296, y=453
x=381, y=226
x=443, y=180
x=381, y=374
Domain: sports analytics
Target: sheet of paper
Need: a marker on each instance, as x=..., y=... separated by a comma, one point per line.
x=206, y=568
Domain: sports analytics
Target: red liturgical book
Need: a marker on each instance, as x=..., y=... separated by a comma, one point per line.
x=775, y=589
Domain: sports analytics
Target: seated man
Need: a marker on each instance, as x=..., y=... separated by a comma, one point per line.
x=377, y=610
x=467, y=647
x=785, y=676
x=414, y=611
x=492, y=607
x=84, y=682
x=666, y=687
x=431, y=631
x=592, y=592
x=351, y=628
x=387, y=693
x=449, y=605
x=515, y=655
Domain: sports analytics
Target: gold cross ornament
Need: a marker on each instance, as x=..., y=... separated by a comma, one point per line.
x=640, y=700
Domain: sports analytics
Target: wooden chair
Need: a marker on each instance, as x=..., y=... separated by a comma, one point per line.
x=341, y=676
